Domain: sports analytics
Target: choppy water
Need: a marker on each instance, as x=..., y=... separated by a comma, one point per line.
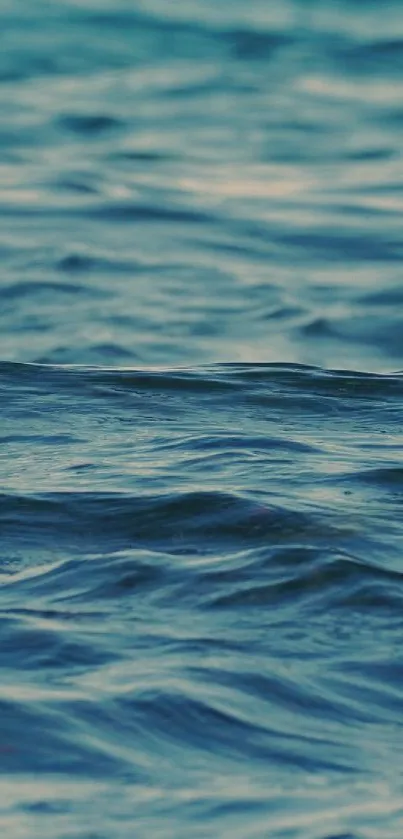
x=201, y=471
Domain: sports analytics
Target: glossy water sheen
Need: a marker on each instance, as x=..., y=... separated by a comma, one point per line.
x=201, y=472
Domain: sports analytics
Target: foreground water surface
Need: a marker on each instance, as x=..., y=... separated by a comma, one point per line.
x=201, y=469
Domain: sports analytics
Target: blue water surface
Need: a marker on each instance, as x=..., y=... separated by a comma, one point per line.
x=201, y=459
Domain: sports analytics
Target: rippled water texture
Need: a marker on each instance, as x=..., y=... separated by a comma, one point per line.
x=201, y=472
x=198, y=181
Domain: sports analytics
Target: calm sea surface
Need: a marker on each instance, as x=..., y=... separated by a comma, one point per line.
x=201, y=413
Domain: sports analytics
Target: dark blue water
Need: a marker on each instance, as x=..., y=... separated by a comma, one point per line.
x=201, y=459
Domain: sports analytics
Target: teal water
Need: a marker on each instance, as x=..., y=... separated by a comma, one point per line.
x=201, y=472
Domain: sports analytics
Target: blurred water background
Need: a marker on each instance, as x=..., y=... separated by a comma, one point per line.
x=201, y=333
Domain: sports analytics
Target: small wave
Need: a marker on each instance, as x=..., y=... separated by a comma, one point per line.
x=201, y=562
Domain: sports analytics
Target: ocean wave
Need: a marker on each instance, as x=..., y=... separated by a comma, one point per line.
x=200, y=419
x=198, y=581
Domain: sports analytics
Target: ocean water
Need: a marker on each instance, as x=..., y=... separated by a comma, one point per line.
x=201, y=459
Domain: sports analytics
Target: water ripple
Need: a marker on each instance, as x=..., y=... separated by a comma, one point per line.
x=200, y=426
